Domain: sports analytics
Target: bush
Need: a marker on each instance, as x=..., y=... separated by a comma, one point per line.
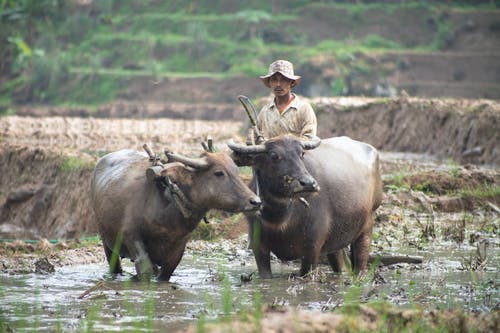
x=48, y=74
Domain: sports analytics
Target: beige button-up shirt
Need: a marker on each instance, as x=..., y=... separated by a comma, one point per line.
x=298, y=119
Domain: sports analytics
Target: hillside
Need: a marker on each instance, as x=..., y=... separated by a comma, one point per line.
x=90, y=52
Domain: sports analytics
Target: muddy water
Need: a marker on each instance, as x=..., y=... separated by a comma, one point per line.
x=212, y=279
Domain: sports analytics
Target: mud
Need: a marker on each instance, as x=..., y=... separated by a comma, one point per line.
x=366, y=319
x=43, y=257
x=73, y=276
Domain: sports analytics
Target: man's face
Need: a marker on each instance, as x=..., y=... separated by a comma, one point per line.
x=280, y=85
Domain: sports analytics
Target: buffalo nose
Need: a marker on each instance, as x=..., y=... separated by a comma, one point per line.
x=308, y=182
x=255, y=201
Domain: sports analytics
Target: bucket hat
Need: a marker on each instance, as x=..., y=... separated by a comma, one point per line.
x=285, y=68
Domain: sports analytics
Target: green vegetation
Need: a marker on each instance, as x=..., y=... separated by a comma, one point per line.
x=59, y=52
x=218, y=226
x=398, y=181
x=74, y=163
x=483, y=191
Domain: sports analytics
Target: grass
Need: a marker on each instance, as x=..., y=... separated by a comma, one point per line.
x=74, y=164
x=397, y=181
x=481, y=192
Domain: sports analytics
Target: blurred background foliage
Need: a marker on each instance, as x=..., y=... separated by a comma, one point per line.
x=82, y=51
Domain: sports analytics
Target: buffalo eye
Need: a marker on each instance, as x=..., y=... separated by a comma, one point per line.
x=219, y=173
x=274, y=156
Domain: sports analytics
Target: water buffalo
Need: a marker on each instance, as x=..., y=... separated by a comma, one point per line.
x=338, y=215
x=150, y=220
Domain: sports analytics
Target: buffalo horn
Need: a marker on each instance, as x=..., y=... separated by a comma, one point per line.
x=310, y=144
x=210, y=142
x=208, y=145
x=244, y=149
x=197, y=163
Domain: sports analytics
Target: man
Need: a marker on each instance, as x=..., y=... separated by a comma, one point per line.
x=287, y=113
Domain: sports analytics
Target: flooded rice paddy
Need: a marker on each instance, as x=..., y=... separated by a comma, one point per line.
x=217, y=278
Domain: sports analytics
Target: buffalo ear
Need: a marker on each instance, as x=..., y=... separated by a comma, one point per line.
x=243, y=159
x=179, y=173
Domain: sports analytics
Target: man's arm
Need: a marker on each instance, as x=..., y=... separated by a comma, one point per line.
x=309, y=121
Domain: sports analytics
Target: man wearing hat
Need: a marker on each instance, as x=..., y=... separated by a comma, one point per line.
x=287, y=113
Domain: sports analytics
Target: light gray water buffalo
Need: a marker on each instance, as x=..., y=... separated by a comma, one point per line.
x=150, y=219
x=343, y=172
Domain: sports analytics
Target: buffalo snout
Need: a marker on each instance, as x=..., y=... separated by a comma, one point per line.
x=255, y=203
x=305, y=183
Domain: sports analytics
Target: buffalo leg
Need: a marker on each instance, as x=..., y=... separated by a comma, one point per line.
x=166, y=272
x=309, y=261
x=312, y=251
x=336, y=260
x=114, y=261
x=263, y=259
x=168, y=268
x=261, y=252
x=143, y=265
x=360, y=249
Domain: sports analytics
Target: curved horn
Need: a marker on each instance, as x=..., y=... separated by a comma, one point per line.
x=244, y=149
x=197, y=163
x=310, y=144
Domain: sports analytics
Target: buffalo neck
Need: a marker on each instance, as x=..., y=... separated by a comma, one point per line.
x=173, y=215
x=276, y=212
x=276, y=209
x=190, y=223
x=179, y=208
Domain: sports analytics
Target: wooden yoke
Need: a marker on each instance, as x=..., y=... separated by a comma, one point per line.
x=153, y=172
x=172, y=191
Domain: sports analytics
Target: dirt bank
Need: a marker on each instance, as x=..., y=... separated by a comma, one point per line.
x=466, y=131
x=80, y=136
x=44, y=195
x=46, y=165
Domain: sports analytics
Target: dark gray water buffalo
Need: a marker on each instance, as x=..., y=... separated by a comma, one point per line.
x=150, y=219
x=339, y=215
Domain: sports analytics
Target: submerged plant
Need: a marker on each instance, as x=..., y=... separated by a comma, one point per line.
x=427, y=229
x=478, y=260
x=456, y=231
